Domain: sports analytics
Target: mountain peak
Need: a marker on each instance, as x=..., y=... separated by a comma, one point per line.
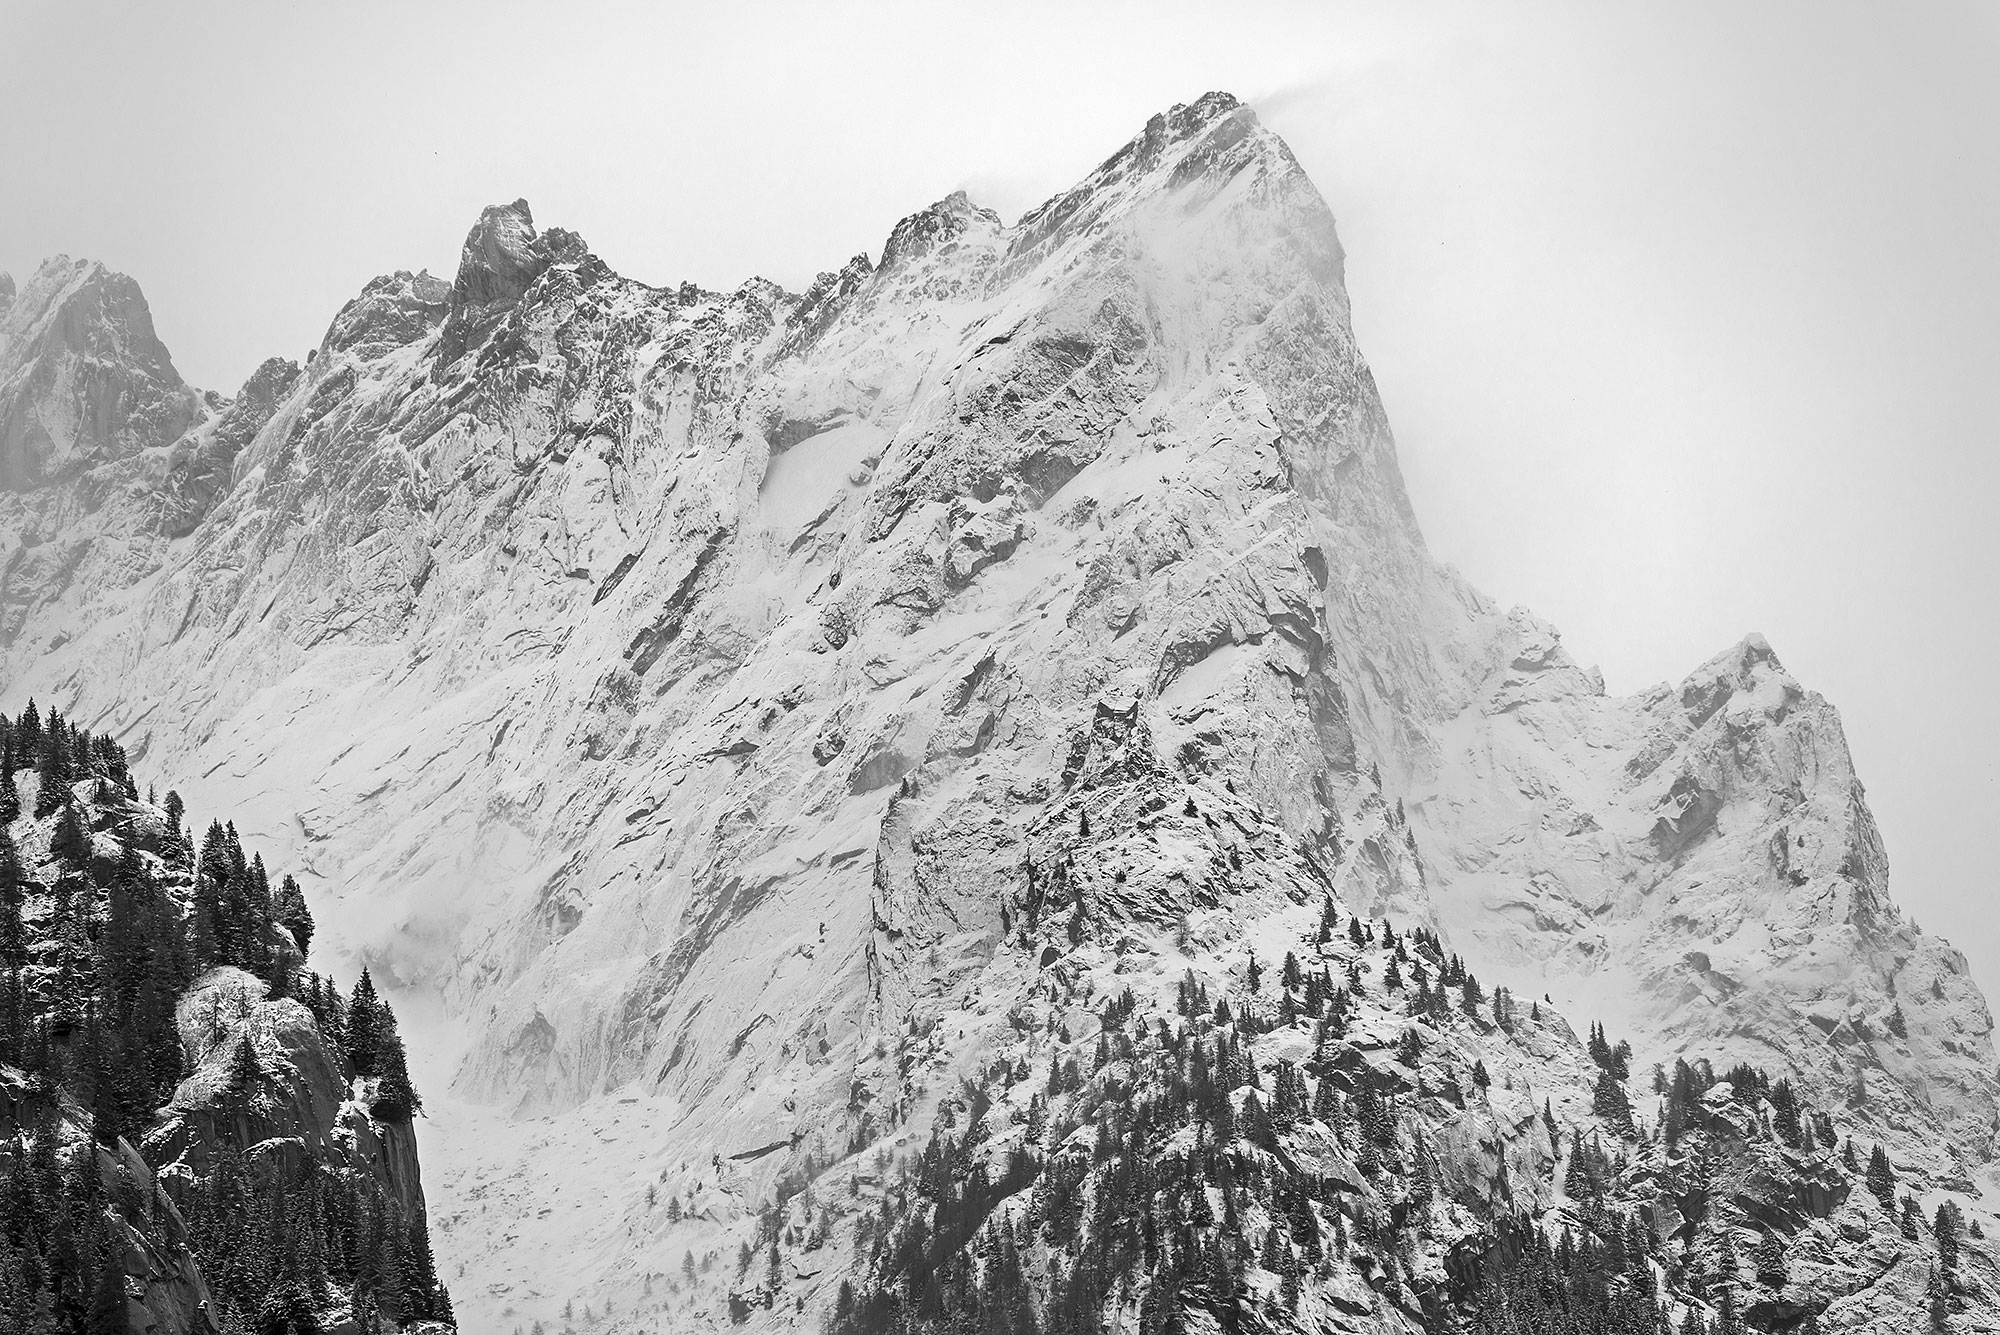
x=944, y=221
x=86, y=379
x=1210, y=152
x=1186, y=122
x=500, y=258
x=1191, y=117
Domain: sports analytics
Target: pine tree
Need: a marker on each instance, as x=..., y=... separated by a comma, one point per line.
x=108, y=1311
x=363, y=1026
x=71, y=842
x=55, y=771
x=28, y=732
x=1768, y=1256
x=1882, y=1178
x=423, y=1295
x=204, y=920
x=1945, y=1229
x=13, y=936
x=1785, y=1114
x=1609, y=1101
x=246, y=1077
x=396, y=1097
x=10, y=796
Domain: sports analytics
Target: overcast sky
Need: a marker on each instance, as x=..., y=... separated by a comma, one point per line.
x=1688, y=318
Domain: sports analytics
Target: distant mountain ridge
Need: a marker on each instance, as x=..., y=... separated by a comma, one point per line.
x=806, y=712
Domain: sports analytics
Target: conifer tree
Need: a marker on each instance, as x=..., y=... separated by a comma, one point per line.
x=204, y=926
x=1785, y=1114
x=1768, y=1256
x=246, y=1077
x=1945, y=1230
x=108, y=1314
x=1882, y=1178
x=396, y=1097
x=13, y=937
x=71, y=842
x=1609, y=1101
x=55, y=770
x=363, y=1028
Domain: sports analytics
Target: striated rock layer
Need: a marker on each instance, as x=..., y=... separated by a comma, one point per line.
x=672, y=681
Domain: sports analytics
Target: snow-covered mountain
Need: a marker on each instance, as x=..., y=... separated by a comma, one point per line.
x=760, y=718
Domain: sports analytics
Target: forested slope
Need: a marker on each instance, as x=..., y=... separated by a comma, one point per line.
x=197, y=1131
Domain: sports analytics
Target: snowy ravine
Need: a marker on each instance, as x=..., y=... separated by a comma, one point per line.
x=688, y=692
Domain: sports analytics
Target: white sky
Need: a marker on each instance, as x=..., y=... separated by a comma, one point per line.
x=1688, y=317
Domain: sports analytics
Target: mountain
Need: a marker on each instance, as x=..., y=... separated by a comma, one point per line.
x=797, y=736
x=104, y=450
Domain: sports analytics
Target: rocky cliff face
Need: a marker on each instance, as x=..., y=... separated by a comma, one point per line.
x=197, y=1134
x=685, y=686
x=163, y=1283
x=306, y=1119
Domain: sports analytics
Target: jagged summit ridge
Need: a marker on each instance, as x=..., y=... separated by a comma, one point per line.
x=685, y=682
x=499, y=259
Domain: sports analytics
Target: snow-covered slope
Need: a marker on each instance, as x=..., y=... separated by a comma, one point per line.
x=672, y=683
